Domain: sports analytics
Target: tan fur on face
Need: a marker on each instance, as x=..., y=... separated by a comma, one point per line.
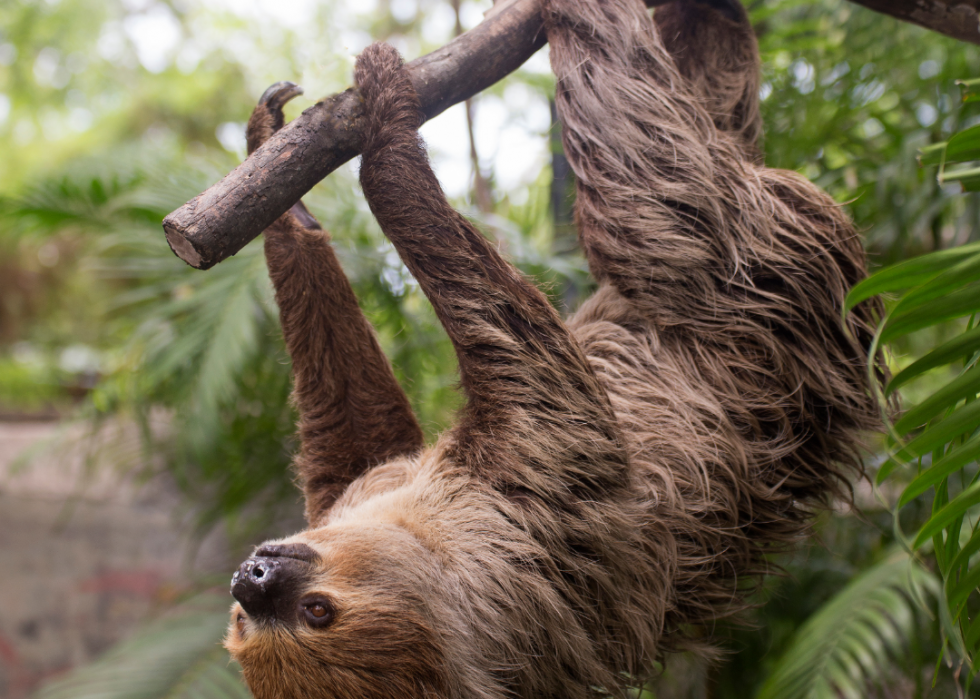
x=614, y=480
x=382, y=641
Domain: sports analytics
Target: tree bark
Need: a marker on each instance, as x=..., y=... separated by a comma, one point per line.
x=959, y=19
x=222, y=220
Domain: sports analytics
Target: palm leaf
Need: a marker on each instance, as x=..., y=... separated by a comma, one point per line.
x=940, y=436
x=854, y=639
x=179, y=657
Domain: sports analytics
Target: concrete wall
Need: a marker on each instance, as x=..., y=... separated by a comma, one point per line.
x=84, y=558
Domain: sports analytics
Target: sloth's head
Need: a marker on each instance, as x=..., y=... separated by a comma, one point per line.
x=338, y=612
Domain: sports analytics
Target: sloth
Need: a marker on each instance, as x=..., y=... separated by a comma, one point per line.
x=615, y=480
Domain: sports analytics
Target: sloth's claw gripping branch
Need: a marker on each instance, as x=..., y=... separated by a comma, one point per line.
x=267, y=117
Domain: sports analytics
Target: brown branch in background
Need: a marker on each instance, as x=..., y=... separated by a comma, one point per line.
x=959, y=19
x=562, y=210
x=222, y=220
x=482, y=193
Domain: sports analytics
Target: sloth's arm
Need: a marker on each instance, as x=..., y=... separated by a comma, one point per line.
x=536, y=417
x=353, y=413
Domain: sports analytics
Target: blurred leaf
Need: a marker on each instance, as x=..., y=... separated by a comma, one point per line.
x=854, y=639
x=959, y=303
x=178, y=657
x=953, y=461
x=939, y=436
x=954, y=509
x=970, y=89
x=909, y=273
x=967, y=384
x=963, y=345
x=969, y=178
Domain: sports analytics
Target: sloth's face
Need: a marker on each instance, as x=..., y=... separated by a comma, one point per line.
x=338, y=612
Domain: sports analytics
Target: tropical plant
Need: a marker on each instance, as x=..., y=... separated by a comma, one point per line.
x=177, y=657
x=854, y=639
x=938, y=438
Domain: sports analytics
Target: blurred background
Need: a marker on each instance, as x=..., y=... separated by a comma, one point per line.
x=145, y=431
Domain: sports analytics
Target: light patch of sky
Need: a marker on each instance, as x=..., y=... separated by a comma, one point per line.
x=48, y=69
x=231, y=135
x=112, y=42
x=8, y=52
x=510, y=133
x=471, y=13
x=156, y=35
x=872, y=127
x=929, y=69
x=4, y=108
x=449, y=148
x=294, y=14
x=926, y=114
x=404, y=10
x=438, y=23
x=803, y=74
x=80, y=119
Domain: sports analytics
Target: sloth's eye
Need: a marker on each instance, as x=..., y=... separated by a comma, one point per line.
x=318, y=612
x=240, y=623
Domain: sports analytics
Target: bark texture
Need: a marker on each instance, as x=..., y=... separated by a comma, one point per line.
x=959, y=19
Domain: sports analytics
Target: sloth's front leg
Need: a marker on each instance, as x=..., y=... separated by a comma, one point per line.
x=536, y=416
x=352, y=412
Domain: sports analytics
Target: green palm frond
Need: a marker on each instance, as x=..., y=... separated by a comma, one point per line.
x=855, y=638
x=179, y=657
x=937, y=440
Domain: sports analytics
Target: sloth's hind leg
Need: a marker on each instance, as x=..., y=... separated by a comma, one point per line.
x=715, y=50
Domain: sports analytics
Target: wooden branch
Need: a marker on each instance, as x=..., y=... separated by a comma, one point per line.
x=222, y=220
x=959, y=19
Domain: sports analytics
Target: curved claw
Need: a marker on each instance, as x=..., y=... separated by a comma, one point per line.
x=277, y=94
x=267, y=117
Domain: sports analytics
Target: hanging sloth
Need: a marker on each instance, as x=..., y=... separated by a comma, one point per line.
x=615, y=478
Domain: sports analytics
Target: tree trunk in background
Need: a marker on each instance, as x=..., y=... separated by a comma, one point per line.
x=482, y=191
x=562, y=214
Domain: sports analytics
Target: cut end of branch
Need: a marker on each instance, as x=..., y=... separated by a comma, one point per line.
x=182, y=247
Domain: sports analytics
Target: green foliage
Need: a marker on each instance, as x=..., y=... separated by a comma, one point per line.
x=197, y=359
x=962, y=149
x=28, y=386
x=938, y=438
x=848, y=104
x=178, y=657
x=853, y=640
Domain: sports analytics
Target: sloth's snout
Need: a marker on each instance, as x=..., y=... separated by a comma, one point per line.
x=255, y=585
x=267, y=582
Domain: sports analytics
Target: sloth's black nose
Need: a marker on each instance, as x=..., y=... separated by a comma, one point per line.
x=268, y=583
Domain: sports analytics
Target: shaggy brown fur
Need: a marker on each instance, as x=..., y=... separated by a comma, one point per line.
x=613, y=480
x=353, y=413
